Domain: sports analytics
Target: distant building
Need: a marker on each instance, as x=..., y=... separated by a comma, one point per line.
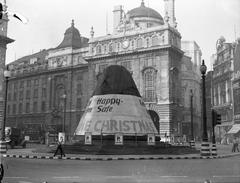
x=50, y=89
x=192, y=49
x=222, y=85
x=236, y=83
x=190, y=83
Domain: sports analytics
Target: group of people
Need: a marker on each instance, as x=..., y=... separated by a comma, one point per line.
x=235, y=145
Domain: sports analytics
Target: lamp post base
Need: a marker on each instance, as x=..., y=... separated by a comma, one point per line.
x=3, y=147
x=205, y=149
x=192, y=144
x=214, y=149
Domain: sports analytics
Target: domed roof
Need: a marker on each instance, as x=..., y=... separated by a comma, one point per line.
x=72, y=38
x=144, y=11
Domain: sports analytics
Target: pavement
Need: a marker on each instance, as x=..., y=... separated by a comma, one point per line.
x=223, y=151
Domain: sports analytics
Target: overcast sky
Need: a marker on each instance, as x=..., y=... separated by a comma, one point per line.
x=203, y=21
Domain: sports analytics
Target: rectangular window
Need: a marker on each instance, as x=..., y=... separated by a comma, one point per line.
x=21, y=84
x=35, y=107
x=145, y=63
x=79, y=89
x=9, y=97
x=44, y=81
x=28, y=94
x=150, y=62
x=20, y=108
x=79, y=104
x=27, y=107
x=35, y=93
x=79, y=76
x=21, y=95
x=43, y=107
x=44, y=92
x=36, y=82
x=14, y=108
x=28, y=83
x=15, y=96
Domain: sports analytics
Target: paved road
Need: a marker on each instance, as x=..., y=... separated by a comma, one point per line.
x=126, y=171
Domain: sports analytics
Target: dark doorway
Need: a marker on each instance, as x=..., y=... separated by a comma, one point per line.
x=155, y=118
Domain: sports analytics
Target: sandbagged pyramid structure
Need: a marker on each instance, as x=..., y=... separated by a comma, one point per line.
x=116, y=107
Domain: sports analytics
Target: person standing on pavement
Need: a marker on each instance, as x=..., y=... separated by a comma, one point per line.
x=59, y=147
x=236, y=144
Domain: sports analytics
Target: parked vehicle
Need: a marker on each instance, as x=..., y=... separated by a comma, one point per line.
x=14, y=137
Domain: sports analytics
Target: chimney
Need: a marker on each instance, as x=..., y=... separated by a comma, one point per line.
x=170, y=12
x=117, y=16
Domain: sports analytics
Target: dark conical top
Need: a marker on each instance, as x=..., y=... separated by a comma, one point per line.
x=116, y=79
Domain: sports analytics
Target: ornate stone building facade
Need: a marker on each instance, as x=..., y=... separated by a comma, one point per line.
x=50, y=89
x=222, y=100
x=236, y=83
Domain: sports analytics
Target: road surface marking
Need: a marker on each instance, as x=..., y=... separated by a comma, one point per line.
x=172, y=176
x=222, y=176
x=67, y=177
x=16, y=177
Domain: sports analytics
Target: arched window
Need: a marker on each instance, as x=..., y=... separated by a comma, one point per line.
x=118, y=46
x=111, y=47
x=147, y=42
x=99, y=49
x=139, y=43
x=132, y=44
x=149, y=77
x=154, y=40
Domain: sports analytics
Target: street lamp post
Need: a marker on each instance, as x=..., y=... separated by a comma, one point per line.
x=64, y=96
x=205, y=150
x=7, y=75
x=192, y=143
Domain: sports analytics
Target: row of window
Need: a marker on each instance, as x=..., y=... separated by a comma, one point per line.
x=138, y=43
x=12, y=109
x=12, y=96
x=29, y=83
x=15, y=95
x=128, y=64
x=222, y=93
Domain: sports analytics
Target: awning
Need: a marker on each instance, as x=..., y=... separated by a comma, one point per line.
x=235, y=129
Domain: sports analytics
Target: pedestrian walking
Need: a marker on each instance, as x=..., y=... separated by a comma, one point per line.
x=59, y=147
x=235, y=145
